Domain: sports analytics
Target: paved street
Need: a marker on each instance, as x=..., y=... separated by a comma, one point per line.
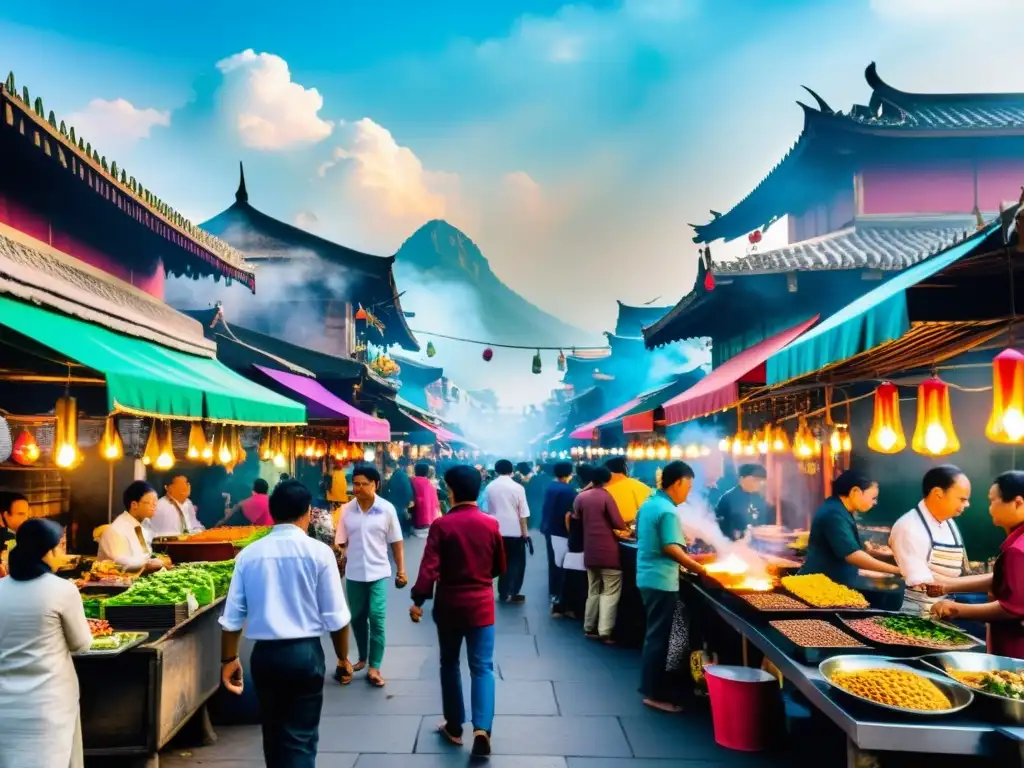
x=562, y=702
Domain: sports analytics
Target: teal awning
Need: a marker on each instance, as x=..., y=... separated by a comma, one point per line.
x=146, y=379
x=877, y=317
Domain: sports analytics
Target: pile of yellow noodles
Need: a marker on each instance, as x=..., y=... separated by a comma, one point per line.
x=821, y=592
x=894, y=687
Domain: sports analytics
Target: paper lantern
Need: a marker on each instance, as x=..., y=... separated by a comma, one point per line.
x=26, y=450
x=649, y=452
x=152, y=450
x=165, y=459
x=111, y=446
x=222, y=446
x=805, y=445
x=764, y=439
x=780, y=440
x=198, y=448
x=430, y=349
x=676, y=452
x=1006, y=424
x=725, y=445
x=839, y=440
x=361, y=314
x=536, y=362
x=709, y=281
x=265, y=452
x=661, y=452
x=887, y=427
x=934, y=434
x=65, y=442
x=561, y=362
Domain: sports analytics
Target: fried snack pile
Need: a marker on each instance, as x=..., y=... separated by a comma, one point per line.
x=821, y=592
x=894, y=687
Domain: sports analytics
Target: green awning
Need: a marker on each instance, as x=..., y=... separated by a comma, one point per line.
x=146, y=379
x=877, y=317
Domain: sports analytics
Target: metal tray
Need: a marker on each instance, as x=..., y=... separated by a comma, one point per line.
x=959, y=696
x=1012, y=710
x=914, y=649
x=810, y=655
x=134, y=639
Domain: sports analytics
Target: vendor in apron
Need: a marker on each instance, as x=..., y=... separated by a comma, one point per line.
x=926, y=541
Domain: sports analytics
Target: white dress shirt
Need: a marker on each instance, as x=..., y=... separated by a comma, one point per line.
x=286, y=586
x=120, y=543
x=506, y=501
x=172, y=519
x=912, y=547
x=368, y=536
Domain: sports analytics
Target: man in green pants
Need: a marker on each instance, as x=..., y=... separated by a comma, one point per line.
x=367, y=525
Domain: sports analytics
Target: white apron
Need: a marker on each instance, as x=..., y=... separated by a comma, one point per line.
x=943, y=560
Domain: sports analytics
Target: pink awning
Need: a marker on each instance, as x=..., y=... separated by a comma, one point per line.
x=586, y=431
x=440, y=432
x=323, y=404
x=720, y=388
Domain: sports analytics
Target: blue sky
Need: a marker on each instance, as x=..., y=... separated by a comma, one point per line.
x=572, y=142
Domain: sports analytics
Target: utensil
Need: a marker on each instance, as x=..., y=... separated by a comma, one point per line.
x=1011, y=709
x=959, y=696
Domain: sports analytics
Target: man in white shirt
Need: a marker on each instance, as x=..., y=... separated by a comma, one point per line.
x=926, y=542
x=505, y=499
x=368, y=525
x=175, y=512
x=286, y=591
x=124, y=541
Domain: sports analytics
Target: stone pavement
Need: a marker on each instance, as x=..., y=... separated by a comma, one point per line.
x=562, y=702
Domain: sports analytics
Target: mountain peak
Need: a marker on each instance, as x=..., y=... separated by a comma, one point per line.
x=444, y=250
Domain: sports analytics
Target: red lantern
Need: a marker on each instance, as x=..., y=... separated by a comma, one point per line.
x=26, y=449
x=755, y=237
x=488, y=355
x=1006, y=423
x=709, y=281
x=360, y=314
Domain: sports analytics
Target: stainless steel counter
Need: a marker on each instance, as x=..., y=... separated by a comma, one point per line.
x=869, y=729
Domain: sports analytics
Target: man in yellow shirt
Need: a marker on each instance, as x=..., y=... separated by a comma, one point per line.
x=628, y=492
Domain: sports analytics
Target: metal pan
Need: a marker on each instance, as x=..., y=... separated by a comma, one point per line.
x=959, y=696
x=1011, y=709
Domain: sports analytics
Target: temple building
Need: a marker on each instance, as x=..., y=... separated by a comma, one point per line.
x=866, y=194
x=342, y=297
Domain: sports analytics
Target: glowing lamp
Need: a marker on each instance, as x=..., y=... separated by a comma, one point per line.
x=25, y=450
x=222, y=447
x=369, y=454
x=764, y=440
x=309, y=450
x=805, y=445
x=661, y=452
x=738, y=442
x=692, y=451
x=725, y=445
x=1006, y=424
x=780, y=440
x=152, y=451
x=166, y=458
x=65, y=444
x=111, y=447
x=197, y=446
x=266, y=454
x=705, y=451
x=649, y=452
x=839, y=440
x=887, y=427
x=675, y=453
x=934, y=434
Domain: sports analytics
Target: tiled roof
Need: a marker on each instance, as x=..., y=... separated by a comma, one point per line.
x=632, y=320
x=861, y=246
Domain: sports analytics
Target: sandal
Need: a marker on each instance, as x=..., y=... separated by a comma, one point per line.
x=448, y=736
x=359, y=666
x=341, y=677
x=375, y=680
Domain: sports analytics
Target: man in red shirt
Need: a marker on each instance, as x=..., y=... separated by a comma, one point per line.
x=463, y=556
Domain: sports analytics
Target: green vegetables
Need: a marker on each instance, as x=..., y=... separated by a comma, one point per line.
x=220, y=573
x=254, y=537
x=204, y=581
x=923, y=629
x=93, y=607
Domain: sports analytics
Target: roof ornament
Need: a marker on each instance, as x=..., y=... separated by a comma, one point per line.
x=978, y=218
x=242, y=194
x=823, y=107
x=715, y=215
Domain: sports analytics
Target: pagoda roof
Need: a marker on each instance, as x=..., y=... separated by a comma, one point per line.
x=268, y=240
x=193, y=250
x=890, y=113
x=633, y=319
x=417, y=373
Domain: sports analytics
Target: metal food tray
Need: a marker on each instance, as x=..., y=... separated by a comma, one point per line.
x=811, y=655
x=913, y=649
x=136, y=638
x=1009, y=710
x=960, y=697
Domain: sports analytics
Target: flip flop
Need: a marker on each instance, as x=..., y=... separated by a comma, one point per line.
x=376, y=681
x=448, y=736
x=359, y=666
x=341, y=677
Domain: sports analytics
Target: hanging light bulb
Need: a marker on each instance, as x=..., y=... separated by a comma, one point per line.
x=805, y=445
x=152, y=450
x=725, y=445
x=238, y=452
x=887, y=428
x=650, y=452
x=65, y=442
x=839, y=441
x=764, y=440
x=780, y=440
x=692, y=451
x=166, y=458
x=738, y=443
x=225, y=456
x=111, y=446
x=369, y=454
x=661, y=452
x=676, y=452
x=196, y=442
x=934, y=434
x=750, y=446
x=1006, y=424
x=25, y=450
x=265, y=451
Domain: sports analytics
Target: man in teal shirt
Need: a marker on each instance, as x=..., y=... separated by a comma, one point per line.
x=660, y=552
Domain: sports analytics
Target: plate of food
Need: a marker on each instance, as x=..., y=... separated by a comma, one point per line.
x=998, y=679
x=107, y=642
x=900, y=629
x=880, y=682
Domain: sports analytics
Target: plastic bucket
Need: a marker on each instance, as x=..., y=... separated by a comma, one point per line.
x=746, y=707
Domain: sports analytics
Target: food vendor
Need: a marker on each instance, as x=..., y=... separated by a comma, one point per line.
x=834, y=547
x=175, y=513
x=1005, y=613
x=124, y=541
x=743, y=505
x=926, y=541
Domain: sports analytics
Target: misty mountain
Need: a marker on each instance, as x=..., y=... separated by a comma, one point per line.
x=444, y=273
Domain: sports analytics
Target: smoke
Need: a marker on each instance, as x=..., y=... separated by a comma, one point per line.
x=668, y=362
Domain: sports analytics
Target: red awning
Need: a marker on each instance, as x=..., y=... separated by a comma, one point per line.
x=585, y=431
x=720, y=388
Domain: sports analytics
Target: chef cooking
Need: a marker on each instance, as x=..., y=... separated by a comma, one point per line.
x=926, y=541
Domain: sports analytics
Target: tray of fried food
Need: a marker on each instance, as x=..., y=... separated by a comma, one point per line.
x=819, y=591
x=881, y=682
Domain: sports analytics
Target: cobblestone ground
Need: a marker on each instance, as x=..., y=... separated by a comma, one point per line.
x=562, y=702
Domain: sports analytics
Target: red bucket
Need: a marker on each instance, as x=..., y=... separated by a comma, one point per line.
x=746, y=707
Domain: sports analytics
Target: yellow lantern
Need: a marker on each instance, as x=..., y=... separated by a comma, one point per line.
x=839, y=440
x=764, y=439
x=1006, y=424
x=725, y=445
x=198, y=448
x=265, y=452
x=934, y=434
x=238, y=452
x=152, y=451
x=649, y=452
x=805, y=445
x=65, y=443
x=661, y=452
x=692, y=451
x=165, y=460
x=222, y=447
x=676, y=452
x=887, y=428
x=111, y=447
x=739, y=441
x=780, y=440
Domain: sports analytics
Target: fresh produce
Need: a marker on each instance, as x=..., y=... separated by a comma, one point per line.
x=220, y=573
x=894, y=687
x=232, y=534
x=820, y=591
x=910, y=630
x=256, y=535
x=773, y=601
x=100, y=628
x=1000, y=682
x=93, y=606
x=815, y=633
x=106, y=643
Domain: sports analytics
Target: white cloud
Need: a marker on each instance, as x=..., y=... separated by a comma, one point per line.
x=268, y=110
x=959, y=11
x=117, y=123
